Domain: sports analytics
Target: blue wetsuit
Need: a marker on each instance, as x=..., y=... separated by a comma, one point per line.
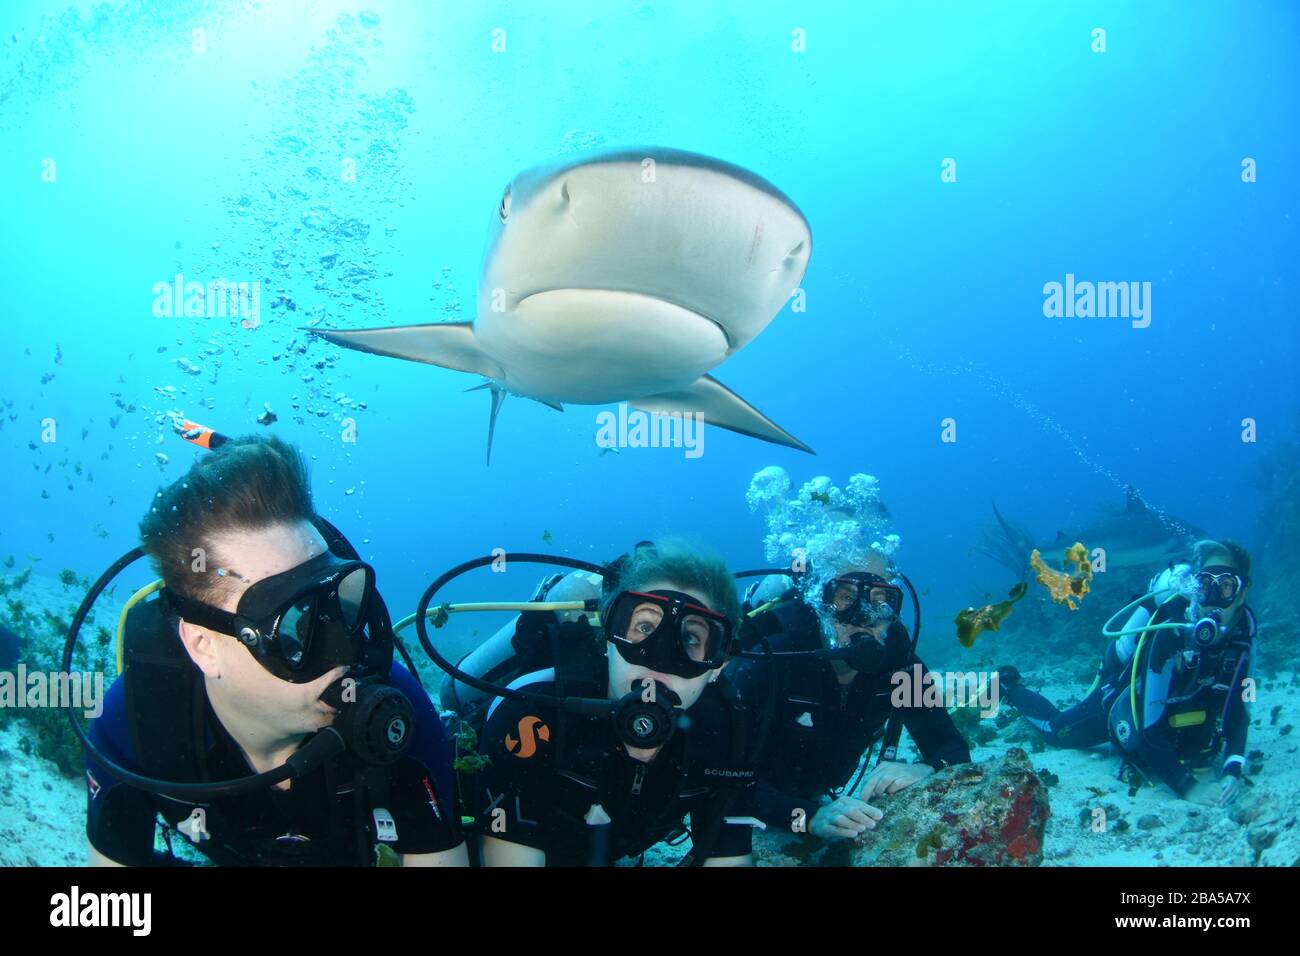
x=314, y=822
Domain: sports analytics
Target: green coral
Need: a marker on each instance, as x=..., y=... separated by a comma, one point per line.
x=468, y=759
x=933, y=840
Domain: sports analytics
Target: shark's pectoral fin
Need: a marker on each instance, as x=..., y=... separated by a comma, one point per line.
x=720, y=406
x=446, y=344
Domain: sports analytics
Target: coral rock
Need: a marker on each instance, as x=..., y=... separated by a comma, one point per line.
x=986, y=814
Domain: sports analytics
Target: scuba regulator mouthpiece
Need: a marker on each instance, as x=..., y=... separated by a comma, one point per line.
x=375, y=719
x=1208, y=631
x=646, y=717
x=862, y=653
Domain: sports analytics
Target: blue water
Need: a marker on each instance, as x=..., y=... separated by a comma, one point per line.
x=924, y=297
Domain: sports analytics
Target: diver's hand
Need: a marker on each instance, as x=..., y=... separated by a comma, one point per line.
x=844, y=819
x=891, y=777
x=1205, y=793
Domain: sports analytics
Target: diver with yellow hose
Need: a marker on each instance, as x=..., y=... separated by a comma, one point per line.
x=1171, y=689
x=260, y=714
x=607, y=738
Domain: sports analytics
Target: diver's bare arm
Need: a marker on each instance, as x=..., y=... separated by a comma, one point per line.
x=456, y=856
x=503, y=853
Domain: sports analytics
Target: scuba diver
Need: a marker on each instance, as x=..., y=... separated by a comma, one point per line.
x=624, y=731
x=259, y=713
x=826, y=710
x=1168, y=691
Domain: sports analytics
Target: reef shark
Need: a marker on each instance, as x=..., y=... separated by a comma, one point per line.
x=622, y=275
x=1135, y=536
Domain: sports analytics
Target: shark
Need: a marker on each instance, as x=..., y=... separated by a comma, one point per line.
x=1134, y=536
x=621, y=275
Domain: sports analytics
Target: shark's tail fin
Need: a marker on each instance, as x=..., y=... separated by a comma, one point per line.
x=1012, y=548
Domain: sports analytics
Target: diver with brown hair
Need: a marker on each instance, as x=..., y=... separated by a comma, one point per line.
x=1172, y=689
x=260, y=716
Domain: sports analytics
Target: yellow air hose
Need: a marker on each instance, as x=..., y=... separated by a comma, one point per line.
x=492, y=606
x=135, y=599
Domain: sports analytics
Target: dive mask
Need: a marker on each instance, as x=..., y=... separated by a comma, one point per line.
x=668, y=632
x=299, y=623
x=863, y=598
x=1217, y=587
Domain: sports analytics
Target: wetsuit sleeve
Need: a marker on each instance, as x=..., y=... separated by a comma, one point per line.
x=730, y=839
x=778, y=809
x=1155, y=749
x=510, y=798
x=932, y=730
x=423, y=793
x=120, y=820
x=1237, y=722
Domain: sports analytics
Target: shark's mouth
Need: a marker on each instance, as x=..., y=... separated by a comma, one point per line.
x=666, y=300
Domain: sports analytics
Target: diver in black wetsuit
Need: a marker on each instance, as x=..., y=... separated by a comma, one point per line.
x=568, y=788
x=1189, y=643
x=827, y=712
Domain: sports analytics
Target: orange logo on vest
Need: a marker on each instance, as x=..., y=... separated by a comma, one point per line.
x=531, y=729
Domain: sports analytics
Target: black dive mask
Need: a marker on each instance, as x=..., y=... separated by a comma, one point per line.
x=302, y=622
x=1217, y=587
x=668, y=632
x=859, y=588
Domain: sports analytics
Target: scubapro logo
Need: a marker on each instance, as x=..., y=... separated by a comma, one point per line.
x=531, y=730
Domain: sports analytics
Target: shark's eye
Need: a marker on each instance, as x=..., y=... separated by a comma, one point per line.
x=505, y=205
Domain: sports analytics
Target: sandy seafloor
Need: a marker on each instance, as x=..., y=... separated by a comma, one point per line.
x=42, y=811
